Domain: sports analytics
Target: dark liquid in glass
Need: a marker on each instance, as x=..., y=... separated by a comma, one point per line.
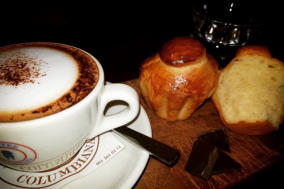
x=223, y=26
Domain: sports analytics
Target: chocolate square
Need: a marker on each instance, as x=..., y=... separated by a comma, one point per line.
x=207, y=156
x=217, y=137
x=202, y=159
x=225, y=164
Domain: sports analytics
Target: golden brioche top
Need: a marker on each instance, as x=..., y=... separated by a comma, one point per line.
x=181, y=51
x=176, y=80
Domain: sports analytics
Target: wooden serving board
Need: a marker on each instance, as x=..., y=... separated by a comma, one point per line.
x=254, y=153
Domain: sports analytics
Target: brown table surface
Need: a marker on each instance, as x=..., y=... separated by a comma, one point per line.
x=254, y=153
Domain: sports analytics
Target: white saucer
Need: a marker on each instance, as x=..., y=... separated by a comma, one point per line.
x=124, y=169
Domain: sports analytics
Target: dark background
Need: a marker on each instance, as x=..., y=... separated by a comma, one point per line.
x=121, y=35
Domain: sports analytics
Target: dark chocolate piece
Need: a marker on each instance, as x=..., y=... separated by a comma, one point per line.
x=202, y=159
x=225, y=164
x=207, y=156
x=216, y=137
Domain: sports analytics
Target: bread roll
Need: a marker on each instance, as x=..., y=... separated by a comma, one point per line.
x=176, y=80
x=250, y=92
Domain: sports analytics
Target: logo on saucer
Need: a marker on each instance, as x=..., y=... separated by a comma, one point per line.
x=16, y=153
x=53, y=177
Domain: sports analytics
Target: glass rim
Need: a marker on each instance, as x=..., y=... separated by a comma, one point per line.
x=197, y=12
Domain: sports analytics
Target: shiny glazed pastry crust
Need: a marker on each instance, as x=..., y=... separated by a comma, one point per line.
x=176, y=80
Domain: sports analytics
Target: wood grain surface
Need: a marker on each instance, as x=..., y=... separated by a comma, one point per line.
x=254, y=153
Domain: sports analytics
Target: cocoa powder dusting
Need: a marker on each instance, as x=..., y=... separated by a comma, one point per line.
x=19, y=68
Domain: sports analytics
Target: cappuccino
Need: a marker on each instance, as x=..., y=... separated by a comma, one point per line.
x=39, y=79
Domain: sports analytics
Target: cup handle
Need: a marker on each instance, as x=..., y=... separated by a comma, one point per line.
x=113, y=92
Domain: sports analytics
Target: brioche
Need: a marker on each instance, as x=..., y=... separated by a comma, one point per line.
x=176, y=80
x=250, y=92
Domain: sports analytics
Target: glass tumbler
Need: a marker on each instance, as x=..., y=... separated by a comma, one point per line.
x=223, y=26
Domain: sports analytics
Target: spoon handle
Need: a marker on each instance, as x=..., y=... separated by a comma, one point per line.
x=160, y=151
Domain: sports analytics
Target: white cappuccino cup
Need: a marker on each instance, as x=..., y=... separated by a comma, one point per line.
x=52, y=99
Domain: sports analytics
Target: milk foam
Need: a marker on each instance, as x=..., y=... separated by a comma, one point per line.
x=58, y=71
